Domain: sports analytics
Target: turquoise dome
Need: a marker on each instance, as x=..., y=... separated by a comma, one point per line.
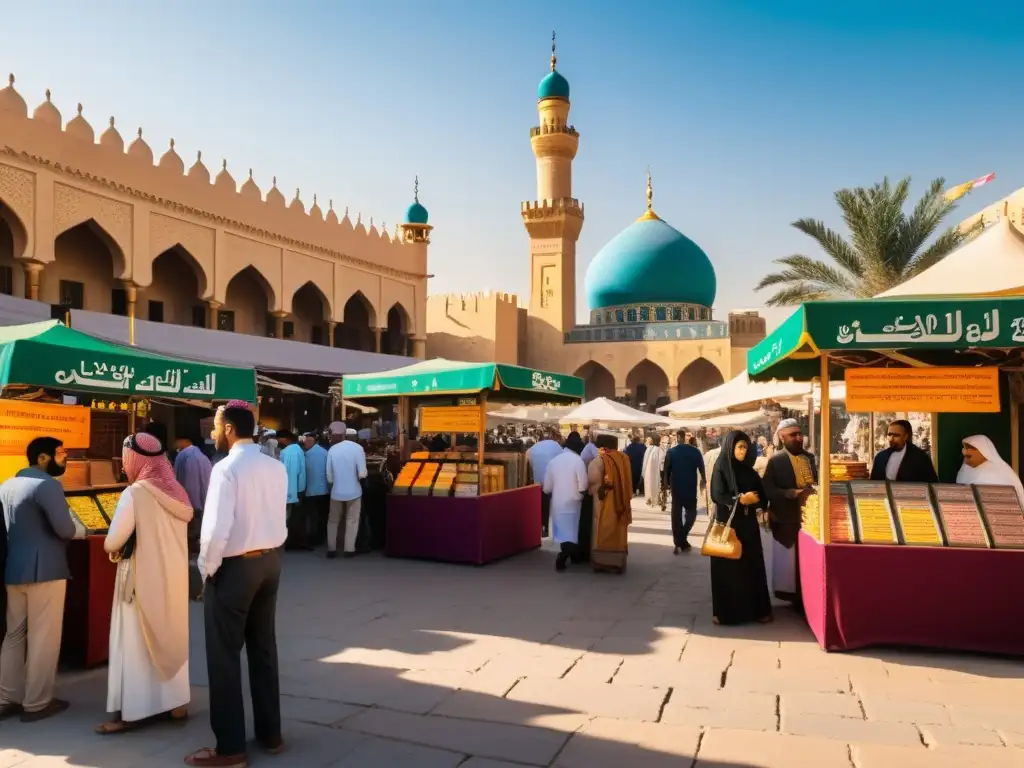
x=416, y=214
x=650, y=261
x=553, y=86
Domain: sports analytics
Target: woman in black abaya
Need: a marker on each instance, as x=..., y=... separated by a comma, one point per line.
x=739, y=588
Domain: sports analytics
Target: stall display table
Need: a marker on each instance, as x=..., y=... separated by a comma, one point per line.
x=858, y=595
x=89, y=603
x=470, y=529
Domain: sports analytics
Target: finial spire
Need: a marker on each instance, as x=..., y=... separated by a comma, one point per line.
x=416, y=189
x=649, y=213
x=47, y=94
x=554, y=59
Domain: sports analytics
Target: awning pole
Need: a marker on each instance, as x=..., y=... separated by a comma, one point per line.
x=481, y=443
x=824, y=496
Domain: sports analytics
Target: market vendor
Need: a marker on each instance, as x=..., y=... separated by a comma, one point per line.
x=788, y=481
x=984, y=466
x=902, y=460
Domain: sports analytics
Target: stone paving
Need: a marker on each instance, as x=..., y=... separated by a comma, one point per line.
x=395, y=663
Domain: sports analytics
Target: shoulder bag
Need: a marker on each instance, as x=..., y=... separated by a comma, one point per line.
x=720, y=539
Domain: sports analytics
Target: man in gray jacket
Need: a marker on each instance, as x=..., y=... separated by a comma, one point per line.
x=39, y=527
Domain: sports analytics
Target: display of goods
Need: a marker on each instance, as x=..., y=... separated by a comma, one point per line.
x=871, y=502
x=108, y=502
x=420, y=455
x=445, y=480
x=812, y=518
x=407, y=477
x=467, y=489
x=914, y=510
x=960, y=516
x=840, y=519
x=848, y=470
x=467, y=467
x=1001, y=508
x=88, y=513
x=425, y=480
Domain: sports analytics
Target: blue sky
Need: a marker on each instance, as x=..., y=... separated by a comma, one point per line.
x=749, y=113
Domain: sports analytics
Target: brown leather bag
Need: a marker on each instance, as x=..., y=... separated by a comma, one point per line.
x=720, y=539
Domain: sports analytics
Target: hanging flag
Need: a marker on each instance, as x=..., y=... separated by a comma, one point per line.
x=955, y=193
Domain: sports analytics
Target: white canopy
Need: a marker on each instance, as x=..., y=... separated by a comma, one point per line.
x=527, y=414
x=741, y=419
x=991, y=263
x=736, y=393
x=612, y=414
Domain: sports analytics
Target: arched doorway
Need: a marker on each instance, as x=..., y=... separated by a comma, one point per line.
x=87, y=263
x=310, y=313
x=598, y=380
x=356, y=329
x=648, y=385
x=13, y=240
x=395, y=338
x=247, y=305
x=699, y=376
x=174, y=295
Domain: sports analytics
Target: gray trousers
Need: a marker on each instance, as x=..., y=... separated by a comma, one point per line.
x=31, y=647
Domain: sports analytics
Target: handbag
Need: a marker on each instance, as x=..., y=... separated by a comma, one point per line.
x=720, y=539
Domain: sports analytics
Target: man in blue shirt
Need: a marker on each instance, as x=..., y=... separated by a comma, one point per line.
x=318, y=492
x=295, y=465
x=682, y=465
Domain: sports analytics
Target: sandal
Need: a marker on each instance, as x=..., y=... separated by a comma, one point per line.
x=116, y=726
x=207, y=756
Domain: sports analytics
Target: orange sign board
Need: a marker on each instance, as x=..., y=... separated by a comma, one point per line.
x=924, y=390
x=22, y=422
x=459, y=418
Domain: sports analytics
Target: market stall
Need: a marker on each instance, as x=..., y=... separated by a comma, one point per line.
x=471, y=503
x=63, y=383
x=932, y=565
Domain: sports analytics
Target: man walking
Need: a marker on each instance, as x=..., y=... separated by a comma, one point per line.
x=346, y=469
x=682, y=465
x=294, y=461
x=539, y=456
x=243, y=528
x=318, y=496
x=38, y=527
x=636, y=450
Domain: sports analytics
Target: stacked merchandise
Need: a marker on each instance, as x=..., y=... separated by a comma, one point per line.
x=407, y=477
x=445, y=480
x=467, y=480
x=844, y=470
x=493, y=479
x=425, y=480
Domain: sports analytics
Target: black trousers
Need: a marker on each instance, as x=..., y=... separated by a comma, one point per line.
x=317, y=510
x=299, y=529
x=545, y=510
x=240, y=608
x=681, y=526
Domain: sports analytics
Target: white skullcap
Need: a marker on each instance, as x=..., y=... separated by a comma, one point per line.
x=786, y=424
x=351, y=433
x=337, y=428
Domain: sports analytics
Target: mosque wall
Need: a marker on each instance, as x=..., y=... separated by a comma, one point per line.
x=475, y=327
x=92, y=222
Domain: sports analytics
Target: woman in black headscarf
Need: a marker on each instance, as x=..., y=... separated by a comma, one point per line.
x=586, y=530
x=739, y=588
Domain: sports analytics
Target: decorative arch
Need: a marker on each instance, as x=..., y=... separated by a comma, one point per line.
x=253, y=271
x=100, y=233
x=248, y=301
x=110, y=219
x=395, y=335
x=166, y=233
x=598, y=381
x=86, y=272
x=356, y=331
x=311, y=311
x=647, y=383
x=178, y=283
x=14, y=229
x=361, y=297
x=699, y=376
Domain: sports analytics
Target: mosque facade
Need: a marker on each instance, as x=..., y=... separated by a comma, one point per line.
x=97, y=223
x=651, y=335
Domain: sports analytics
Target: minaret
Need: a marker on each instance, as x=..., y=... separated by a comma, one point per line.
x=554, y=220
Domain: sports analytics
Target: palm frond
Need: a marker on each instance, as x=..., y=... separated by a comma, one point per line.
x=811, y=270
x=944, y=245
x=833, y=244
x=799, y=293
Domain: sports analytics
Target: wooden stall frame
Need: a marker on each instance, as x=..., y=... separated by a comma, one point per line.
x=824, y=465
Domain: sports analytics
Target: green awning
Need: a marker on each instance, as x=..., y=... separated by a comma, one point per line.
x=49, y=354
x=919, y=328
x=445, y=377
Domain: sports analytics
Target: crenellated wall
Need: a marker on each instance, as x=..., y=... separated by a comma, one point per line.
x=58, y=178
x=477, y=327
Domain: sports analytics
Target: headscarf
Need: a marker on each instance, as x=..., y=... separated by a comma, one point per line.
x=574, y=443
x=143, y=458
x=994, y=471
x=730, y=468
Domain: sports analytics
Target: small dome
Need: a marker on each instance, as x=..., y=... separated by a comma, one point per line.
x=249, y=188
x=47, y=113
x=11, y=101
x=111, y=138
x=274, y=196
x=331, y=217
x=314, y=210
x=79, y=127
x=296, y=203
x=225, y=179
x=416, y=214
x=140, y=150
x=199, y=171
x=553, y=86
x=170, y=161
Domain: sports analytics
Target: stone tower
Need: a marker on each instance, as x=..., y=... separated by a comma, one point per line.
x=553, y=221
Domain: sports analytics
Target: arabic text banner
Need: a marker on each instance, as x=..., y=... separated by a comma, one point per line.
x=924, y=390
x=22, y=422
x=459, y=419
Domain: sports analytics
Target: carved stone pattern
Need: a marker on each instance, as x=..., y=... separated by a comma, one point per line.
x=17, y=190
x=72, y=206
x=166, y=232
x=177, y=207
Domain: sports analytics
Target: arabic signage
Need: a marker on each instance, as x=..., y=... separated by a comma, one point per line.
x=22, y=422
x=441, y=377
x=175, y=382
x=457, y=419
x=922, y=390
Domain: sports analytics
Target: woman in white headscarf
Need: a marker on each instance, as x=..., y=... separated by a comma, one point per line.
x=984, y=466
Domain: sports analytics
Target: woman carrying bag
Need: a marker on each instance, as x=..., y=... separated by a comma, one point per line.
x=739, y=586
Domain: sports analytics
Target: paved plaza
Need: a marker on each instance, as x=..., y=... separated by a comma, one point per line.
x=397, y=663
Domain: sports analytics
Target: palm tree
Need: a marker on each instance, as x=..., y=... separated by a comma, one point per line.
x=886, y=246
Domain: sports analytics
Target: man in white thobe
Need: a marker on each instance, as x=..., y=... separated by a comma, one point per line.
x=653, y=469
x=566, y=481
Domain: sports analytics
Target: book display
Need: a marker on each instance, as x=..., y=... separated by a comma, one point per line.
x=840, y=519
x=916, y=514
x=873, y=512
x=1001, y=509
x=958, y=510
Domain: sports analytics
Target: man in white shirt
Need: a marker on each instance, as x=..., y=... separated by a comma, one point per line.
x=244, y=525
x=539, y=457
x=346, y=469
